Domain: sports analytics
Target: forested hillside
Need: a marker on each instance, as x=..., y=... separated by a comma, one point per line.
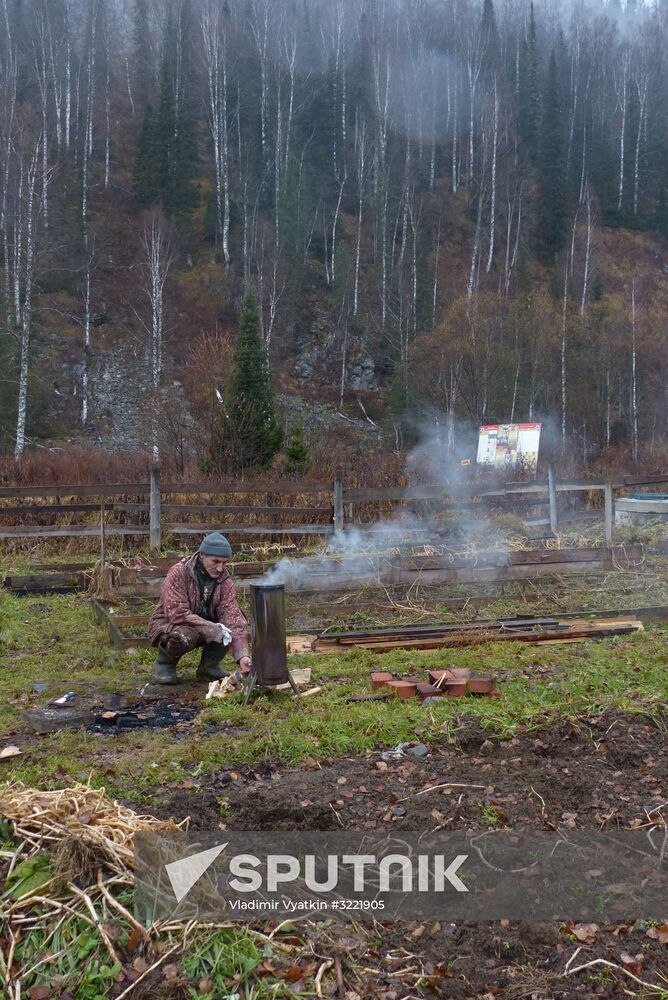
x=450, y=211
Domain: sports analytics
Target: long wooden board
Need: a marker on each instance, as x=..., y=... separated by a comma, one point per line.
x=470, y=637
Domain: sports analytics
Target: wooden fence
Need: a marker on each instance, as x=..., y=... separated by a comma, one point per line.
x=156, y=515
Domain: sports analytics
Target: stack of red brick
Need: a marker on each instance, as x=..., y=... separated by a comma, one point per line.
x=453, y=683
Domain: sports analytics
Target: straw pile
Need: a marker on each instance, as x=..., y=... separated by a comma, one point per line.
x=102, y=826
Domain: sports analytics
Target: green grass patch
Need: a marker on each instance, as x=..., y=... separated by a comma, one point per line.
x=56, y=639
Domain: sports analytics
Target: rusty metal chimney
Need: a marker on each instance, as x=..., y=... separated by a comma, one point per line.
x=270, y=659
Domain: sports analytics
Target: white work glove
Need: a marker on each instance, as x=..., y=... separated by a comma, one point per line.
x=224, y=634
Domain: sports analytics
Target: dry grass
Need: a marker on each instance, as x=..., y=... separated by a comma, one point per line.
x=43, y=818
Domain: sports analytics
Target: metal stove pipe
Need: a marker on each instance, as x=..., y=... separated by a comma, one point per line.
x=270, y=658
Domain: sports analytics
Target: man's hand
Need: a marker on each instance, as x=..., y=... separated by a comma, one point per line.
x=245, y=665
x=224, y=634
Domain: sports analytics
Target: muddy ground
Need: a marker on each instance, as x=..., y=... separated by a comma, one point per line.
x=594, y=773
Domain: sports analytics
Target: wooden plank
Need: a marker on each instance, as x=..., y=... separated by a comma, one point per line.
x=520, y=557
x=501, y=500
x=566, y=517
x=42, y=581
x=184, y=508
x=86, y=490
x=473, y=638
x=397, y=493
x=123, y=621
x=64, y=508
x=657, y=613
x=77, y=531
x=628, y=553
x=73, y=531
x=542, y=557
x=628, y=505
x=430, y=631
x=246, y=529
x=420, y=563
x=568, y=486
x=645, y=480
x=114, y=633
x=221, y=488
x=483, y=575
x=120, y=489
x=99, y=611
x=63, y=567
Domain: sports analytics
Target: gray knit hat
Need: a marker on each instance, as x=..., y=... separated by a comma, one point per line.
x=216, y=544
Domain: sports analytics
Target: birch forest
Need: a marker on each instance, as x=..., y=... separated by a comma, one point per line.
x=449, y=210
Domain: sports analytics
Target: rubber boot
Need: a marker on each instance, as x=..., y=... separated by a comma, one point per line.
x=164, y=668
x=209, y=668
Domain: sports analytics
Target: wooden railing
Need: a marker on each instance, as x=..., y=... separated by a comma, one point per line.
x=156, y=515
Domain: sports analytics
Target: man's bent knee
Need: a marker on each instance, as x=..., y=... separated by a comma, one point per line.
x=180, y=640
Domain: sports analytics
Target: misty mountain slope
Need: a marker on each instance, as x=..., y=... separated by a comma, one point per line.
x=457, y=206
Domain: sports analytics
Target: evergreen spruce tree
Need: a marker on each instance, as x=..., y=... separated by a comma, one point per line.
x=551, y=197
x=164, y=164
x=660, y=223
x=141, y=44
x=145, y=177
x=249, y=434
x=297, y=451
x=490, y=34
x=529, y=97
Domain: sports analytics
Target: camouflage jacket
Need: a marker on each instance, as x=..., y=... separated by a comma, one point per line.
x=180, y=597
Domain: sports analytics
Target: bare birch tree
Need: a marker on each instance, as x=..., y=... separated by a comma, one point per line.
x=157, y=258
x=621, y=88
x=25, y=266
x=214, y=29
x=634, y=376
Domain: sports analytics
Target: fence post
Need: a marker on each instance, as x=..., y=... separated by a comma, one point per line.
x=552, y=490
x=102, y=534
x=609, y=514
x=154, y=510
x=338, y=501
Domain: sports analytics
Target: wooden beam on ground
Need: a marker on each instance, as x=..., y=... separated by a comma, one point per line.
x=41, y=583
x=491, y=633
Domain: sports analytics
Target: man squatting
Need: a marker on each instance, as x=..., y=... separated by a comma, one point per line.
x=198, y=607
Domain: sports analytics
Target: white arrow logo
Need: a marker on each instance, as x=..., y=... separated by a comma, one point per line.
x=184, y=873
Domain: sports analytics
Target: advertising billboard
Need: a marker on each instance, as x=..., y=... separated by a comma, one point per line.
x=509, y=448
